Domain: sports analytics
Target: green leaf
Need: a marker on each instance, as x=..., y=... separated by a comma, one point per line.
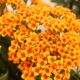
x=52, y=76
x=17, y=26
x=38, y=77
x=37, y=31
x=25, y=1
x=58, y=1
x=74, y=76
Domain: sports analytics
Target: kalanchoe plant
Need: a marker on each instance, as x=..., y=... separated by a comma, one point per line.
x=44, y=40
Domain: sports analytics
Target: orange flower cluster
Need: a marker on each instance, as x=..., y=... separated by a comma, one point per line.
x=45, y=40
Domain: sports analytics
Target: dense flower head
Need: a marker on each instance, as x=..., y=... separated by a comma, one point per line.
x=45, y=40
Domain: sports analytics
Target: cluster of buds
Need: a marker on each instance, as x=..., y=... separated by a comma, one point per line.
x=45, y=40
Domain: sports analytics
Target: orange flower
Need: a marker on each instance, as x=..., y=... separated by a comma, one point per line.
x=36, y=70
x=47, y=71
x=33, y=25
x=58, y=77
x=36, y=1
x=31, y=75
x=0, y=46
x=25, y=75
x=51, y=59
x=45, y=77
x=41, y=63
x=3, y=33
x=13, y=48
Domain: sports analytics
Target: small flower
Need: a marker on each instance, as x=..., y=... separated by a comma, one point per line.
x=0, y=46
x=41, y=27
x=45, y=77
x=9, y=8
